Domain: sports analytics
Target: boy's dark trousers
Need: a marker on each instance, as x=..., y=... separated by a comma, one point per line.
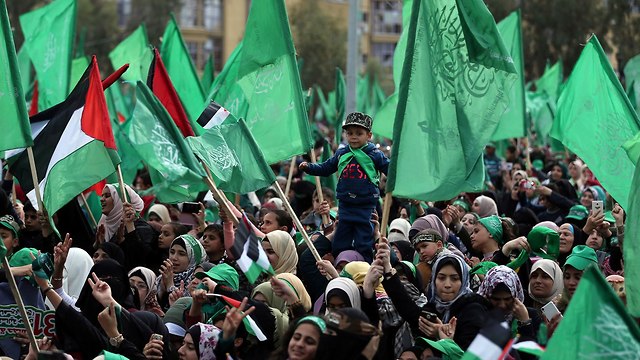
x=355, y=230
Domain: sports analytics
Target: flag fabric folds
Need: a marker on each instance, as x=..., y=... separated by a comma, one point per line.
x=447, y=111
x=160, y=83
x=233, y=157
x=49, y=32
x=15, y=119
x=595, y=325
x=489, y=343
x=248, y=252
x=181, y=70
x=73, y=137
x=512, y=122
x=133, y=50
x=264, y=84
x=208, y=74
x=175, y=173
x=631, y=248
x=594, y=119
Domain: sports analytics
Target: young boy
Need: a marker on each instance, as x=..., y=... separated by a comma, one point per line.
x=357, y=190
x=9, y=233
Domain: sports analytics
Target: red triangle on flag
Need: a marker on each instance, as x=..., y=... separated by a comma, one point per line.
x=95, y=117
x=33, y=109
x=160, y=83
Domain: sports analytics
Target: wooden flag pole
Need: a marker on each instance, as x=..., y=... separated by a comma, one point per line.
x=290, y=177
x=86, y=206
x=34, y=178
x=123, y=191
x=325, y=218
x=236, y=201
x=14, y=196
x=527, y=154
x=222, y=201
x=386, y=209
x=296, y=221
x=18, y=298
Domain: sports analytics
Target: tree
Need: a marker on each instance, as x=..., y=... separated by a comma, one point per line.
x=320, y=41
x=154, y=14
x=99, y=18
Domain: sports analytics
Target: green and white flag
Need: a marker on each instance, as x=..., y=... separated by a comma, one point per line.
x=444, y=120
x=594, y=119
x=596, y=324
x=15, y=120
x=48, y=35
x=134, y=50
x=631, y=248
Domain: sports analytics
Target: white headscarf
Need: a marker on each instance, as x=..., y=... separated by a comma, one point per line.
x=161, y=211
x=553, y=270
x=113, y=220
x=75, y=273
x=348, y=287
x=487, y=206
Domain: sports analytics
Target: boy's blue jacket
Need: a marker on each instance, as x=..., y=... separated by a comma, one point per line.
x=354, y=187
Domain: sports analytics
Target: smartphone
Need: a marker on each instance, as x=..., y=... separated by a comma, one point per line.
x=597, y=207
x=431, y=317
x=156, y=337
x=549, y=310
x=190, y=207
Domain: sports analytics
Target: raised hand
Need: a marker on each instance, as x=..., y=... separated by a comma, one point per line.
x=108, y=320
x=284, y=291
x=153, y=349
x=166, y=270
x=234, y=318
x=100, y=290
x=326, y=269
x=447, y=331
x=176, y=294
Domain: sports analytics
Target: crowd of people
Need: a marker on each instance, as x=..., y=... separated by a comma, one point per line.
x=151, y=285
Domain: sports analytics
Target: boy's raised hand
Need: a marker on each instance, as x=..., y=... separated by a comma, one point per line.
x=303, y=166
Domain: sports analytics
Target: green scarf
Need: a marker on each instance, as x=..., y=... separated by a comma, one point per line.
x=494, y=227
x=365, y=161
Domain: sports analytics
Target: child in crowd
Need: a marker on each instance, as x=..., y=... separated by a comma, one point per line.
x=358, y=165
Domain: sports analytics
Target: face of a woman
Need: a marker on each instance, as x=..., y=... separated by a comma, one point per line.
x=100, y=255
x=106, y=201
x=271, y=254
x=448, y=283
x=475, y=207
x=571, y=277
x=212, y=243
x=480, y=237
x=595, y=240
x=556, y=172
x=586, y=198
x=502, y=300
x=541, y=284
x=188, y=350
x=166, y=236
x=574, y=171
x=336, y=302
x=179, y=258
x=304, y=343
x=469, y=221
x=269, y=223
x=566, y=238
x=139, y=284
x=195, y=281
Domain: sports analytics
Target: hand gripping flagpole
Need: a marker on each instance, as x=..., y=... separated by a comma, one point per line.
x=222, y=203
x=325, y=218
x=386, y=208
x=18, y=298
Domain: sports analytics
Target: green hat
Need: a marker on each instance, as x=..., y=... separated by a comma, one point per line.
x=482, y=268
x=608, y=216
x=542, y=237
x=537, y=164
x=222, y=274
x=581, y=257
x=578, y=212
x=8, y=222
x=449, y=349
x=111, y=356
x=493, y=224
x=463, y=204
x=23, y=257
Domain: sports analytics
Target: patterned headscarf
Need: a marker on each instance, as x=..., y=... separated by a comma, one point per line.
x=444, y=306
x=502, y=275
x=196, y=255
x=206, y=337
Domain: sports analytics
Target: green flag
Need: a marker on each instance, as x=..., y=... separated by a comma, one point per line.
x=550, y=81
x=183, y=74
x=175, y=173
x=48, y=36
x=363, y=89
x=512, y=122
x=135, y=51
x=24, y=65
x=130, y=161
x=596, y=324
x=207, y=75
x=119, y=108
x=383, y=121
x=541, y=109
x=595, y=118
x=78, y=66
x=15, y=120
x=330, y=181
x=265, y=89
x=631, y=94
x=328, y=109
x=341, y=100
x=631, y=247
x=444, y=120
x=377, y=97
x=223, y=86
x=234, y=158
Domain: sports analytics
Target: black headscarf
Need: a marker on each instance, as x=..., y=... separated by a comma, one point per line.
x=114, y=251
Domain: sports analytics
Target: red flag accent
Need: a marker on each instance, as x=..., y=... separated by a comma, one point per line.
x=160, y=83
x=34, y=100
x=95, y=117
x=233, y=302
x=97, y=187
x=115, y=76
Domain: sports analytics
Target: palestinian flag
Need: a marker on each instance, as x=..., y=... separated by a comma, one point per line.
x=213, y=115
x=73, y=145
x=490, y=343
x=250, y=324
x=161, y=86
x=529, y=347
x=248, y=252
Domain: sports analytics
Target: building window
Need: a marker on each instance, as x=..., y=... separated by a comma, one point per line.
x=188, y=12
x=213, y=15
x=192, y=47
x=213, y=46
x=387, y=17
x=124, y=12
x=384, y=53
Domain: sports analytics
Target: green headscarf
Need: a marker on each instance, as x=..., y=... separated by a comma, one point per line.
x=493, y=224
